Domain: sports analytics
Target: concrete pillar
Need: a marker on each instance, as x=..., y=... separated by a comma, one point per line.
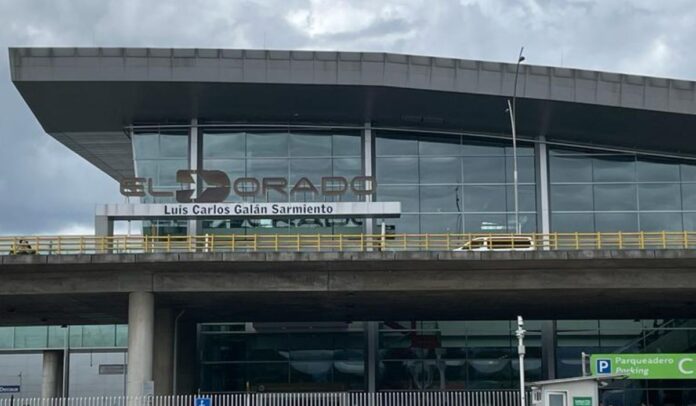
x=368, y=169
x=548, y=349
x=163, y=363
x=141, y=314
x=195, y=225
x=185, y=380
x=371, y=360
x=52, y=376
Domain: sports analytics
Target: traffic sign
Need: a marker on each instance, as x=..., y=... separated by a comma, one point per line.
x=645, y=366
x=10, y=388
x=203, y=402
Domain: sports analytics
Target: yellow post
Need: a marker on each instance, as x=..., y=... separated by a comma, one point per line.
x=427, y=242
x=641, y=240
x=577, y=241
x=686, y=239
x=59, y=244
x=297, y=237
x=318, y=242
x=664, y=239
x=276, y=242
x=620, y=240
x=449, y=248
x=599, y=240
x=362, y=242
x=340, y=242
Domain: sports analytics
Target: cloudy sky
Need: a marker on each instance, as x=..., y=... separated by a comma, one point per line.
x=645, y=37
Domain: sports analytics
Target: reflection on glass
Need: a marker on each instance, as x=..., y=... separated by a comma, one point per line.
x=407, y=195
x=485, y=198
x=483, y=170
x=571, y=197
x=486, y=223
x=397, y=170
x=572, y=222
x=441, y=223
x=439, y=145
x=440, y=170
x=308, y=145
x=659, y=196
x=661, y=222
x=439, y=198
x=614, y=222
x=615, y=197
x=614, y=169
x=570, y=168
x=267, y=145
x=396, y=145
x=223, y=145
x=652, y=171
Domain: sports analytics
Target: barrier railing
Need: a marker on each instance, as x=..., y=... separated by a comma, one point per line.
x=59, y=245
x=449, y=398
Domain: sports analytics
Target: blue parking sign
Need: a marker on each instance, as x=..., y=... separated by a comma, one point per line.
x=203, y=402
x=603, y=366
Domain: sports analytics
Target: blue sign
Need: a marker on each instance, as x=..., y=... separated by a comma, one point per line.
x=9, y=388
x=603, y=366
x=202, y=402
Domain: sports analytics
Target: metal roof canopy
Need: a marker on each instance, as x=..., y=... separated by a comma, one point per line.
x=84, y=97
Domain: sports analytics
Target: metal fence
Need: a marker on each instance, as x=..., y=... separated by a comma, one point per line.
x=453, y=398
x=57, y=245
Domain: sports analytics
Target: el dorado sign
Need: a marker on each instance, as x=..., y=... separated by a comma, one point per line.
x=250, y=210
x=645, y=366
x=219, y=186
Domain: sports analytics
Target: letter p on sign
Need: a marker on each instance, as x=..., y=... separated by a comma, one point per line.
x=603, y=366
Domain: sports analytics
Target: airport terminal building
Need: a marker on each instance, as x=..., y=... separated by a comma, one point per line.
x=299, y=155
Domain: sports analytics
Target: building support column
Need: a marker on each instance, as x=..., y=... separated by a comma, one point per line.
x=141, y=314
x=368, y=170
x=195, y=164
x=187, y=338
x=52, y=376
x=162, y=361
x=542, y=172
x=103, y=227
x=371, y=359
x=548, y=349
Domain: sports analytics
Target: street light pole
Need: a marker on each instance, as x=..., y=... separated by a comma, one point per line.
x=512, y=108
x=521, y=351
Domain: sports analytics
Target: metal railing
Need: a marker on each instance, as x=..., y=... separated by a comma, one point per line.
x=448, y=398
x=122, y=244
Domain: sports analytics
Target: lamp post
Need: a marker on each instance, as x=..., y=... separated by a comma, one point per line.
x=521, y=351
x=512, y=109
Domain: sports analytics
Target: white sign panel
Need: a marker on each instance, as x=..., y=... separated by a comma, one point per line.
x=250, y=210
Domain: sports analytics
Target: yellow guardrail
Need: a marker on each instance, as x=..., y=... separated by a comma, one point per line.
x=58, y=245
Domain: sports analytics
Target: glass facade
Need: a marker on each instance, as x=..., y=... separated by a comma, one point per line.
x=454, y=184
x=53, y=337
x=301, y=158
x=436, y=355
x=609, y=192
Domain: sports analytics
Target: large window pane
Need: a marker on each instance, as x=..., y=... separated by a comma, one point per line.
x=688, y=172
x=439, y=145
x=311, y=168
x=407, y=195
x=572, y=222
x=439, y=198
x=688, y=196
x=659, y=196
x=483, y=170
x=146, y=146
x=649, y=171
x=260, y=168
x=406, y=145
x=614, y=169
x=615, y=197
x=31, y=337
x=477, y=147
x=397, y=170
x=528, y=222
x=484, y=198
x=174, y=146
x=346, y=145
x=526, y=196
x=147, y=169
x=576, y=197
x=441, y=223
x=486, y=223
x=525, y=169
x=267, y=144
x=613, y=222
x=661, y=222
x=310, y=145
x=223, y=145
x=440, y=170
x=234, y=168
x=168, y=169
x=407, y=223
x=348, y=167
x=570, y=168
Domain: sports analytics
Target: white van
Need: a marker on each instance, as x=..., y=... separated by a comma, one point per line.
x=499, y=243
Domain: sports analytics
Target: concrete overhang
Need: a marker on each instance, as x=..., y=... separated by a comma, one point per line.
x=544, y=285
x=85, y=97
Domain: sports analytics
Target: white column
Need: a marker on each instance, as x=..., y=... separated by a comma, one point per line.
x=195, y=157
x=52, y=376
x=368, y=170
x=542, y=156
x=141, y=318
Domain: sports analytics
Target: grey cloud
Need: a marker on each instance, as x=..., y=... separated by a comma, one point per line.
x=636, y=36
